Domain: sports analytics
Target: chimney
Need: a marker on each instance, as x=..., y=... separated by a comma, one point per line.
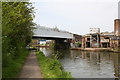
x=119, y=10
x=117, y=27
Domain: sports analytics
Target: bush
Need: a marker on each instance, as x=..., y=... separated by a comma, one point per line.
x=14, y=66
x=51, y=68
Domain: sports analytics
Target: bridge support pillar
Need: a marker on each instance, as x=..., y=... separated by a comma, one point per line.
x=61, y=44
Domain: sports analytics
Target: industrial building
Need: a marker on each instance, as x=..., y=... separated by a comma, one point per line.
x=115, y=40
x=92, y=40
x=76, y=41
x=96, y=39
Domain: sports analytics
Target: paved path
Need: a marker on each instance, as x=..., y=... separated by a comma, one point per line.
x=31, y=67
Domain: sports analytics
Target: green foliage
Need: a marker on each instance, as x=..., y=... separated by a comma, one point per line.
x=52, y=45
x=14, y=66
x=51, y=68
x=17, y=32
x=78, y=43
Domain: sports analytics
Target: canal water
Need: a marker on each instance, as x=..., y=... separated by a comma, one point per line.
x=84, y=64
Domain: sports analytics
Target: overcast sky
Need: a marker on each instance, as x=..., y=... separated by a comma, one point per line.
x=76, y=16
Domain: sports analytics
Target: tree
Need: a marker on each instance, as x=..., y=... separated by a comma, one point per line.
x=17, y=28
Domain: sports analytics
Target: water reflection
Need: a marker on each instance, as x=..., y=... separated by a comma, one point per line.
x=46, y=51
x=84, y=64
x=116, y=60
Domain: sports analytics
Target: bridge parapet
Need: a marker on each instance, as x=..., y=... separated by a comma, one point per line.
x=51, y=32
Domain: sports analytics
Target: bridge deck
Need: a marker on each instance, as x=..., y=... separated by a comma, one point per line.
x=51, y=33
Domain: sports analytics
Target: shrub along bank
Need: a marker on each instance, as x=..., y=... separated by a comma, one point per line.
x=51, y=68
x=15, y=66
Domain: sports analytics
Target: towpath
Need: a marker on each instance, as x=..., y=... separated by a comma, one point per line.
x=31, y=67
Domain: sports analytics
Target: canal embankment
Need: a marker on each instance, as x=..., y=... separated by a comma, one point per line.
x=97, y=49
x=51, y=67
x=87, y=64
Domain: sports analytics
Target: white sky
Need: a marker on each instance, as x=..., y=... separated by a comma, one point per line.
x=76, y=16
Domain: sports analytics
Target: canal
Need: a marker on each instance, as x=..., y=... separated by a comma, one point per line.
x=84, y=64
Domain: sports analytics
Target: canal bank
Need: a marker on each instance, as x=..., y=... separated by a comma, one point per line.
x=97, y=49
x=51, y=67
x=88, y=64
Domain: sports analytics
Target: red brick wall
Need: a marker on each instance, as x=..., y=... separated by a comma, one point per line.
x=117, y=27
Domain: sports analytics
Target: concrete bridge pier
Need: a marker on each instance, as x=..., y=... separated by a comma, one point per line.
x=61, y=44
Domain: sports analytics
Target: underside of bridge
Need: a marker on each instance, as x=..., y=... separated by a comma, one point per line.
x=48, y=38
x=60, y=43
x=60, y=37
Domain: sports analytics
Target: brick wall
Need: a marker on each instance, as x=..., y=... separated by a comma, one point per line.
x=117, y=27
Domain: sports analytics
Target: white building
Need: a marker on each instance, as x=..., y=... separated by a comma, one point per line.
x=42, y=42
x=94, y=30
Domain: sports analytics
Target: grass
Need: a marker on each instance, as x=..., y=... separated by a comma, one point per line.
x=51, y=68
x=15, y=66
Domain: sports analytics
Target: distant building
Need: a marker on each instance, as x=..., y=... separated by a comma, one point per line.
x=77, y=41
x=94, y=30
x=115, y=40
x=77, y=37
x=104, y=39
x=96, y=39
x=92, y=40
x=42, y=42
x=86, y=41
x=107, y=33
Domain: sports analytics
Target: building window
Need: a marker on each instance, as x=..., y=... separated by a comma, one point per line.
x=88, y=39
